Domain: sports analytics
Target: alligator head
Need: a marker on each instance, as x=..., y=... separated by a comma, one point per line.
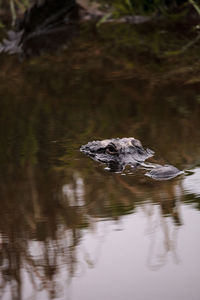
x=117, y=153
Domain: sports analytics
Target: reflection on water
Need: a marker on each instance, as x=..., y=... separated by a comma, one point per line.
x=69, y=228
x=191, y=183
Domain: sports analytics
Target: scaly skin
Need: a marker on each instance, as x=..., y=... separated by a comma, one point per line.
x=118, y=153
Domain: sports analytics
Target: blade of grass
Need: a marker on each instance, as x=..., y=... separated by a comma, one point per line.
x=194, y=4
x=13, y=12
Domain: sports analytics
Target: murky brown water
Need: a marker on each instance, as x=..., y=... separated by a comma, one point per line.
x=69, y=229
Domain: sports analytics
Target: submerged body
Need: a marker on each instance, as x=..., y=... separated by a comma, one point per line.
x=118, y=153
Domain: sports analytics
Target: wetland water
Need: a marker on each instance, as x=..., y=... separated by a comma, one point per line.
x=69, y=229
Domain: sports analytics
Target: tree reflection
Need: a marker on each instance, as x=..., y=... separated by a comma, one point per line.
x=50, y=195
x=164, y=219
x=44, y=222
x=158, y=254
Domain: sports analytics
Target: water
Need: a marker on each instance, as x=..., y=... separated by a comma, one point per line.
x=70, y=229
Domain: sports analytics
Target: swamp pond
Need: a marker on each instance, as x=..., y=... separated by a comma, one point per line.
x=69, y=228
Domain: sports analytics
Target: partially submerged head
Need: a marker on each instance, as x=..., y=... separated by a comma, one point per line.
x=117, y=151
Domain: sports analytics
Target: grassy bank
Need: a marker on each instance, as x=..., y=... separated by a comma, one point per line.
x=11, y=9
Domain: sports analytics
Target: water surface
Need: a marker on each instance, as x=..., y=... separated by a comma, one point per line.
x=69, y=228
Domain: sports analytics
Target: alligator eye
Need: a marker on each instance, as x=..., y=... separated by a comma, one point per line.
x=110, y=149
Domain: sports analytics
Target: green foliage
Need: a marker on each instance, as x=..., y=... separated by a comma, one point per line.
x=21, y=4
x=13, y=8
x=121, y=7
x=195, y=5
x=146, y=7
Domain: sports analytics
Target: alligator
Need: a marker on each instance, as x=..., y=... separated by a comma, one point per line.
x=117, y=153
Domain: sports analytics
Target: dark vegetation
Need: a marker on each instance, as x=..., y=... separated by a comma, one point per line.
x=11, y=9
x=41, y=26
x=49, y=25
